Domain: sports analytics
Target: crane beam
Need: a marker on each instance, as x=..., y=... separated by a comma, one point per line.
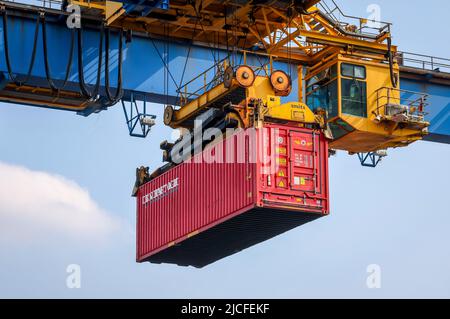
x=439, y=109
x=144, y=71
x=144, y=61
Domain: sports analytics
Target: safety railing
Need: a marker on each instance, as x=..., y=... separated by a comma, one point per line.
x=393, y=102
x=424, y=62
x=52, y=4
x=203, y=82
x=214, y=75
x=49, y=4
x=264, y=67
x=353, y=25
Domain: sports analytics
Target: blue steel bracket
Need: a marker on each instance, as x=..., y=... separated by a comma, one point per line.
x=139, y=122
x=371, y=159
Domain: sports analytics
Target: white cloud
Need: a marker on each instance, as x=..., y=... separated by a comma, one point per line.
x=38, y=205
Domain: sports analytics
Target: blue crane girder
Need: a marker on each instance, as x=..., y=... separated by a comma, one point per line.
x=144, y=73
x=438, y=109
x=143, y=59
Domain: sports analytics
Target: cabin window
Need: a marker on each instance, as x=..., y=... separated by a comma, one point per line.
x=322, y=91
x=353, y=71
x=325, y=97
x=354, y=90
x=354, y=97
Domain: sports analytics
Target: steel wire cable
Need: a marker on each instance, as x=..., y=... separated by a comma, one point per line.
x=188, y=54
x=162, y=59
x=197, y=13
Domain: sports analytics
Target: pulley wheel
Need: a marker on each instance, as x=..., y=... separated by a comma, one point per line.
x=168, y=114
x=228, y=77
x=281, y=83
x=245, y=76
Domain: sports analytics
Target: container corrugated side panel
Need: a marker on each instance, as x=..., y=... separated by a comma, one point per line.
x=206, y=195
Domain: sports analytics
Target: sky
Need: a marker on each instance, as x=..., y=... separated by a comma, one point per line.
x=66, y=181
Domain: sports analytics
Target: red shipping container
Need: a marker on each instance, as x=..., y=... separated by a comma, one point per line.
x=241, y=191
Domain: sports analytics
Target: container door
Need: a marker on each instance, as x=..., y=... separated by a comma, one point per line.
x=295, y=177
x=303, y=161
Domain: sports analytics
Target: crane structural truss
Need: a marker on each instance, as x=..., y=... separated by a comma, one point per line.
x=145, y=44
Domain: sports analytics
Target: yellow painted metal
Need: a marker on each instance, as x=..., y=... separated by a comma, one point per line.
x=110, y=10
x=292, y=112
x=273, y=101
x=52, y=104
x=261, y=88
x=43, y=97
x=259, y=99
x=100, y=5
x=367, y=141
x=343, y=41
x=304, y=37
x=113, y=10
x=376, y=130
x=310, y=39
x=300, y=82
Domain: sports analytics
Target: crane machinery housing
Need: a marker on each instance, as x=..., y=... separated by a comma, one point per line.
x=292, y=80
